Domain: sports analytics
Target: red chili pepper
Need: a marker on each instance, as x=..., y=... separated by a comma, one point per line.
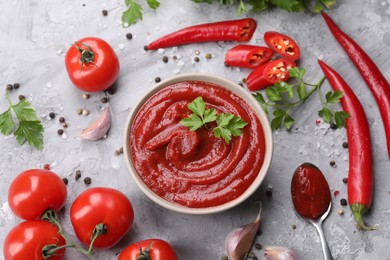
x=360, y=176
x=248, y=56
x=371, y=74
x=268, y=74
x=234, y=30
x=283, y=44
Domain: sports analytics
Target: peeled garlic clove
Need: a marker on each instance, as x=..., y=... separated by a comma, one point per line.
x=279, y=253
x=99, y=128
x=239, y=241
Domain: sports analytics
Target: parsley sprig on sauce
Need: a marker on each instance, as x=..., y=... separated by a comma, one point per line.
x=28, y=127
x=228, y=125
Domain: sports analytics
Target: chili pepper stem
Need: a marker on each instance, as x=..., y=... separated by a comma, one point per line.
x=358, y=210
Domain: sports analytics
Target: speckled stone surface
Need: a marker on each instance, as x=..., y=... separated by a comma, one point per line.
x=35, y=35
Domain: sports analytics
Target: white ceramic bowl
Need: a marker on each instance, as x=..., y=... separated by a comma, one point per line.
x=240, y=91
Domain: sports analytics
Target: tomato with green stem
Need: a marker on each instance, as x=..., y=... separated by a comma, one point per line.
x=153, y=249
x=284, y=45
x=35, y=191
x=34, y=239
x=92, y=64
x=268, y=74
x=101, y=217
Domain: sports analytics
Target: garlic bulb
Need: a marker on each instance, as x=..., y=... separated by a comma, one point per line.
x=99, y=128
x=239, y=241
x=279, y=253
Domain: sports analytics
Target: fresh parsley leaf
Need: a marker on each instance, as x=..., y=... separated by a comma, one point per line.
x=297, y=72
x=284, y=87
x=198, y=106
x=289, y=5
x=194, y=122
x=30, y=131
x=258, y=5
x=301, y=91
x=133, y=12
x=340, y=118
x=328, y=3
x=24, y=112
x=318, y=7
x=326, y=114
x=273, y=94
x=224, y=133
x=333, y=97
x=6, y=122
x=241, y=8
x=153, y=4
x=224, y=119
x=281, y=117
x=235, y=125
x=288, y=121
x=259, y=97
x=210, y=115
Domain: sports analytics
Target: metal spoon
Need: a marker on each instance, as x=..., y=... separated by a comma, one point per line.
x=318, y=224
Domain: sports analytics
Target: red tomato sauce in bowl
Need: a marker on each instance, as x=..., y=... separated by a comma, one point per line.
x=194, y=168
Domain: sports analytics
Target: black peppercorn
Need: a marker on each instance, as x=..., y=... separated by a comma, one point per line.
x=165, y=59
x=345, y=145
x=16, y=85
x=104, y=100
x=129, y=36
x=196, y=59
x=60, y=132
x=333, y=126
x=332, y=163
x=258, y=246
x=110, y=91
x=61, y=119
x=21, y=97
x=157, y=79
x=105, y=12
x=65, y=180
x=78, y=175
x=345, y=180
x=9, y=87
x=343, y=202
x=268, y=193
x=146, y=48
x=87, y=180
x=52, y=115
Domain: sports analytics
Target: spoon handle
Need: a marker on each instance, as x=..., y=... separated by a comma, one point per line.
x=324, y=244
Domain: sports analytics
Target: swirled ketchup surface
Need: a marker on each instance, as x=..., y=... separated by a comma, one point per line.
x=194, y=168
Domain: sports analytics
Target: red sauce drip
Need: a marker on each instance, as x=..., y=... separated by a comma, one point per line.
x=195, y=169
x=310, y=191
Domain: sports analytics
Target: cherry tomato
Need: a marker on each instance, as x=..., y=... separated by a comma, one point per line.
x=310, y=191
x=283, y=45
x=248, y=56
x=28, y=239
x=34, y=191
x=268, y=74
x=155, y=249
x=104, y=211
x=92, y=64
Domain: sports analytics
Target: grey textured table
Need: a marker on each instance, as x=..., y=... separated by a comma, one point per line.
x=35, y=35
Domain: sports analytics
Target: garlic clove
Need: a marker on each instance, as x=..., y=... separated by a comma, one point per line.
x=99, y=128
x=279, y=253
x=239, y=241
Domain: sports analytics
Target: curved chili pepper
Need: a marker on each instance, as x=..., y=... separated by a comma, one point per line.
x=248, y=56
x=234, y=30
x=268, y=74
x=360, y=176
x=371, y=74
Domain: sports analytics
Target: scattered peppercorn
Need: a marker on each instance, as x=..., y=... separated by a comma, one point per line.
x=52, y=115
x=268, y=192
x=340, y=212
x=21, y=97
x=258, y=246
x=345, y=144
x=146, y=48
x=157, y=79
x=332, y=163
x=110, y=91
x=87, y=180
x=16, y=85
x=197, y=52
x=65, y=181
x=333, y=126
x=79, y=111
x=254, y=257
x=121, y=149
x=85, y=112
x=104, y=12
x=293, y=226
x=9, y=87
x=343, y=202
x=243, y=80
x=86, y=96
x=345, y=180
x=61, y=119
x=65, y=125
x=104, y=100
x=60, y=132
x=78, y=175
x=208, y=56
x=165, y=59
x=46, y=166
x=196, y=59
x=174, y=57
x=129, y=36
x=224, y=257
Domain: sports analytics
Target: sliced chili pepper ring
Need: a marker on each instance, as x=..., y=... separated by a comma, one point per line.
x=283, y=45
x=248, y=56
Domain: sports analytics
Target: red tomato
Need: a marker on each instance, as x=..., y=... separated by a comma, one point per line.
x=92, y=64
x=26, y=241
x=158, y=250
x=101, y=206
x=268, y=74
x=283, y=45
x=34, y=191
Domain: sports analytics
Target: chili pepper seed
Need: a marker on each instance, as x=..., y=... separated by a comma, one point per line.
x=129, y=36
x=87, y=180
x=104, y=12
x=343, y=202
